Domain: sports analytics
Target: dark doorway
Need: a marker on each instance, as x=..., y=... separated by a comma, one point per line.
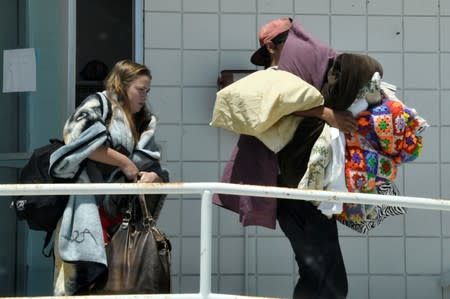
x=104, y=36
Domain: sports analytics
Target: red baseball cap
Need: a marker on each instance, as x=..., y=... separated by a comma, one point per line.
x=266, y=34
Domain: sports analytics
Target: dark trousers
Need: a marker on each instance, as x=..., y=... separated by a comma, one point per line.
x=314, y=239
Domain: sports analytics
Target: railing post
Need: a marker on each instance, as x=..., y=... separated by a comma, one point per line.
x=205, y=244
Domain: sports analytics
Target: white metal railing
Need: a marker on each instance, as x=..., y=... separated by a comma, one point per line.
x=207, y=190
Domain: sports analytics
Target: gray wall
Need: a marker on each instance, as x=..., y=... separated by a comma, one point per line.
x=188, y=42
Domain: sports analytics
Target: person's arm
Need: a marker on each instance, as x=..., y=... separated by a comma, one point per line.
x=112, y=157
x=343, y=120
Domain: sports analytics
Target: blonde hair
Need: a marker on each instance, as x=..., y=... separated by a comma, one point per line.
x=117, y=83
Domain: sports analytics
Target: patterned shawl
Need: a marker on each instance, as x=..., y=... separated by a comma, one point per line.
x=388, y=135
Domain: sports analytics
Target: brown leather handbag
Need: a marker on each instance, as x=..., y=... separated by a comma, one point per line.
x=139, y=255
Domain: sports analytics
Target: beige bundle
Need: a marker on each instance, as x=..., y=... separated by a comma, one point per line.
x=261, y=105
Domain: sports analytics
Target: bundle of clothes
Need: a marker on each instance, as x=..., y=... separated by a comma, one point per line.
x=389, y=134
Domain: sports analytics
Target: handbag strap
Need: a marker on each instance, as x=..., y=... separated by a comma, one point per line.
x=127, y=216
x=147, y=219
x=149, y=224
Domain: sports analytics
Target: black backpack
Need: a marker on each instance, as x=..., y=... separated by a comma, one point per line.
x=42, y=212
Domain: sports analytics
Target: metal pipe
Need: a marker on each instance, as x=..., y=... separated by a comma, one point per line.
x=207, y=190
x=153, y=296
x=205, y=244
x=225, y=188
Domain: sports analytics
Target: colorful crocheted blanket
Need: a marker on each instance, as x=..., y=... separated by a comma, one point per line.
x=388, y=135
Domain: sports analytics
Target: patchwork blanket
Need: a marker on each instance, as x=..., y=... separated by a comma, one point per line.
x=388, y=135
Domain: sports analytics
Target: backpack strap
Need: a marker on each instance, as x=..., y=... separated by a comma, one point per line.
x=106, y=107
x=48, y=238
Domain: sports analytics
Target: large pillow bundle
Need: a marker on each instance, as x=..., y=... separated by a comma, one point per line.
x=261, y=105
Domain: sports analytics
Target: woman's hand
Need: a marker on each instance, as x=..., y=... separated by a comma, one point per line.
x=130, y=170
x=149, y=177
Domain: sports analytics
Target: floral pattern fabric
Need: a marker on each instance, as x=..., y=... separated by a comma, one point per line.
x=388, y=135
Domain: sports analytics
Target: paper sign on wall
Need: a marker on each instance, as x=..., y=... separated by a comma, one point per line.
x=19, y=70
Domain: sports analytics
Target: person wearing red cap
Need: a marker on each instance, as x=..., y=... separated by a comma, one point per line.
x=271, y=37
x=304, y=56
x=313, y=236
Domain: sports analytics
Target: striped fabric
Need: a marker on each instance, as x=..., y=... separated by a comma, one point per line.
x=362, y=218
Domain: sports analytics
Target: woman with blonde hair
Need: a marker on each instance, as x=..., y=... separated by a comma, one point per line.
x=109, y=138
